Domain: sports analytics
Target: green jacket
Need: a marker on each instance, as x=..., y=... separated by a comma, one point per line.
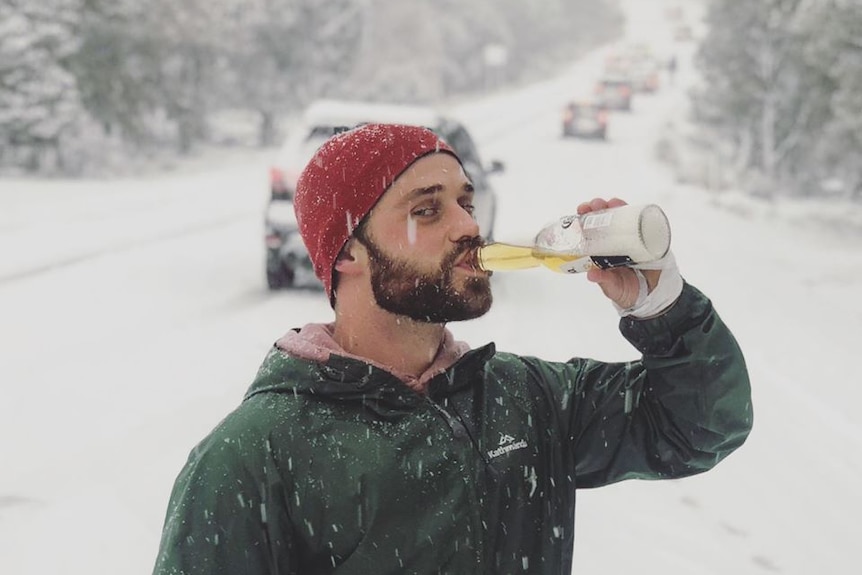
x=340, y=468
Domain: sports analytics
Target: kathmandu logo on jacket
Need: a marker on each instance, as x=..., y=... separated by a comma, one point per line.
x=506, y=444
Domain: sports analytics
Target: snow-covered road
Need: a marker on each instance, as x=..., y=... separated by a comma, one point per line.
x=133, y=315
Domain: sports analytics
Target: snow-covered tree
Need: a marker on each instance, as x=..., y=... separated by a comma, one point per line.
x=782, y=80
x=480, y=26
x=280, y=54
x=39, y=101
x=402, y=57
x=755, y=92
x=836, y=47
x=151, y=73
x=546, y=32
x=147, y=69
x=114, y=67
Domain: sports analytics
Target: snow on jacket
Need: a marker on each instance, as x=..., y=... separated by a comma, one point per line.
x=340, y=468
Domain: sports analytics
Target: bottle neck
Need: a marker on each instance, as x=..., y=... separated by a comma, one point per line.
x=500, y=256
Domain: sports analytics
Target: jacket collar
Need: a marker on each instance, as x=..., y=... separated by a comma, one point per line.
x=315, y=342
x=348, y=379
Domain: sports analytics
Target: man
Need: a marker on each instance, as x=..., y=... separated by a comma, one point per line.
x=379, y=444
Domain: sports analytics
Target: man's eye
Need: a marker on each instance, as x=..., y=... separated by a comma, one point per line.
x=469, y=208
x=424, y=212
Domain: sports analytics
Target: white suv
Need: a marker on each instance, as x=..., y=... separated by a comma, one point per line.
x=287, y=262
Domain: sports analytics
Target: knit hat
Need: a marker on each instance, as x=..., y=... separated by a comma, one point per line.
x=346, y=177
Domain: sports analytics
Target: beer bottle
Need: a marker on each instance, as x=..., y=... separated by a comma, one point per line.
x=624, y=236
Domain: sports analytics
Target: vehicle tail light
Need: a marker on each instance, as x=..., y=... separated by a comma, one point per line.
x=276, y=179
x=276, y=176
x=282, y=183
x=273, y=241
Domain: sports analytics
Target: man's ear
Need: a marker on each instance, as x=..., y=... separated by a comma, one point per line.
x=351, y=258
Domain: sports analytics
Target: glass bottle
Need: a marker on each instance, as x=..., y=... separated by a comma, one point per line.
x=616, y=237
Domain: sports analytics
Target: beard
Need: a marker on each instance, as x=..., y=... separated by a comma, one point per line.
x=430, y=297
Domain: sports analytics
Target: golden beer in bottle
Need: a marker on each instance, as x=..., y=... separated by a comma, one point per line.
x=624, y=236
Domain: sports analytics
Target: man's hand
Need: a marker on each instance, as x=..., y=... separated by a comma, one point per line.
x=620, y=285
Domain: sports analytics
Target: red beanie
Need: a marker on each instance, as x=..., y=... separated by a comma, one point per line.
x=346, y=177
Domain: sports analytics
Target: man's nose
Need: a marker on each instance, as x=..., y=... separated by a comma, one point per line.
x=465, y=225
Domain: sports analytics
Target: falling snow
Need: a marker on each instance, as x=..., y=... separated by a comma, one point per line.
x=137, y=316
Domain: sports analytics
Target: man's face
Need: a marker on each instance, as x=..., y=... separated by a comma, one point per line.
x=420, y=239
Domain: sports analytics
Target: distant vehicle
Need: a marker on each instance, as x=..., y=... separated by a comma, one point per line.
x=645, y=76
x=585, y=119
x=637, y=63
x=615, y=92
x=287, y=261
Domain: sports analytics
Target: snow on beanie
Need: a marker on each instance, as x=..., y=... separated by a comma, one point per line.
x=346, y=177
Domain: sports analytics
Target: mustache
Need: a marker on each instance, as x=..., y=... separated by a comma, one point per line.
x=467, y=245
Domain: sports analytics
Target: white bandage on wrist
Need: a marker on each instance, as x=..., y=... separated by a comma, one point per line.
x=650, y=304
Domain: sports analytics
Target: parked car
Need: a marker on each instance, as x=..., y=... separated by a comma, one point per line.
x=615, y=92
x=287, y=261
x=585, y=119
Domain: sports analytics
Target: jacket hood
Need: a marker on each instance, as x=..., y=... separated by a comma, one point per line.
x=303, y=363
